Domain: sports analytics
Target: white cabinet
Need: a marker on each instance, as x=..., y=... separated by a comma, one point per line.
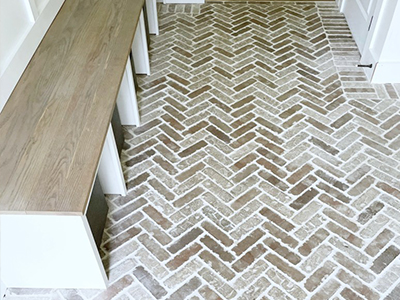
x=23, y=23
x=359, y=15
x=375, y=26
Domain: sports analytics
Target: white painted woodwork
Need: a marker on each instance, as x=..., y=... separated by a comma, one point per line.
x=127, y=100
x=34, y=9
x=380, y=45
x=110, y=172
x=16, y=21
x=49, y=251
x=3, y=287
x=20, y=34
x=140, y=50
x=41, y=4
x=358, y=14
x=152, y=17
x=383, y=44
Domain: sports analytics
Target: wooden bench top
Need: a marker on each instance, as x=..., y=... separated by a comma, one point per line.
x=53, y=126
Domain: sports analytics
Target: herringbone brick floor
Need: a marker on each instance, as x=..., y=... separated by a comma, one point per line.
x=266, y=166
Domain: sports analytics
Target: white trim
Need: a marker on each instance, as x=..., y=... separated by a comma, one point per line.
x=3, y=289
x=34, y=9
x=18, y=63
x=152, y=17
x=140, y=50
x=126, y=100
x=110, y=172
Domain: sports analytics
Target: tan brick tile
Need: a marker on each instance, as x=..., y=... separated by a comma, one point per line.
x=374, y=226
x=275, y=218
x=333, y=192
x=248, y=258
x=383, y=260
x=115, y=288
x=273, y=180
x=354, y=268
x=302, y=186
x=157, y=217
x=188, y=197
x=187, y=289
x=217, y=265
x=185, y=240
x=282, y=251
x=349, y=294
x=357, y=285
x=332, y=181
x=341, y=220
x=300, y=173
x=388, y=279
x=120, y=239
x=217, y=218
x=217, y=191
x=369, y=212
x=188, y=173
x=192, y=149
x=149, y=282
x=270, y=146
x=271, y=156
x=256, y=289
x=183, y=256
x=284, y=267
x=153, y=247
x=248, y=241
x=318, y=277
x=216, y=248
x=327, y=290
x=258, y=269
x=151, y=263
x=245, y=198
x=278, y=233
x=379, y=242
x=294, y=120
x=305, y=198
x=189, y=184
x=126, y=223
x=313, y=242
x=217, y=233
x=337, y=205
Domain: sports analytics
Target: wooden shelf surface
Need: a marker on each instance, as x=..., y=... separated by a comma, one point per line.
x=53, y=126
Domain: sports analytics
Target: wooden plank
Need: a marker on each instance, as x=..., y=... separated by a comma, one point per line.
x=53, y=127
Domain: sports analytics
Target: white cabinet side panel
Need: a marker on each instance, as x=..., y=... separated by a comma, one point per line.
x=140, y=50
x=110, y=172
x=49, y=251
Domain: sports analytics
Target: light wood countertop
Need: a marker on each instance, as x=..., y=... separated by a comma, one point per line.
x=53, y=127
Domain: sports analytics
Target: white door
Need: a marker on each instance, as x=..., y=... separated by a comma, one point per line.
x=359, y=16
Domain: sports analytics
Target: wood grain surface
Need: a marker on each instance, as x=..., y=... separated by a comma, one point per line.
x=53, y=127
